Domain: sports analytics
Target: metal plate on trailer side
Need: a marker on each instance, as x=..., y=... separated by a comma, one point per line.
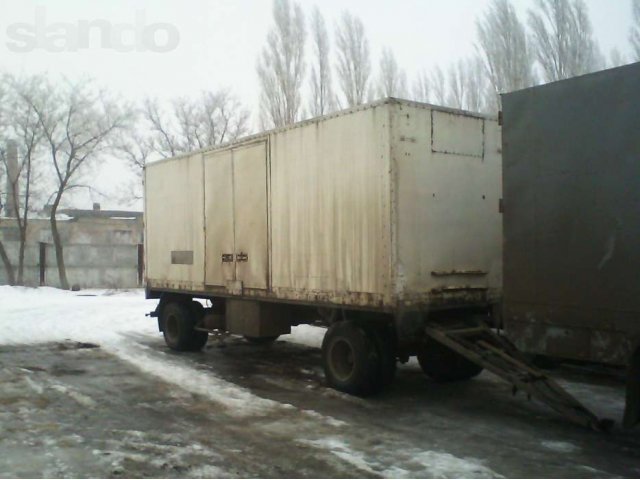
x=182, y=257
x=456, y=133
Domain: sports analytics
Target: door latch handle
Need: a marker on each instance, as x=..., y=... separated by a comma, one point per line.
x=227, y=257
x=242, y=257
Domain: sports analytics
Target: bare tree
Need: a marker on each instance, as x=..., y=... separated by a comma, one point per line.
x=422, y=88
x=281, y=65
x=392, y=81
x=22, y=156
x=463, y=86
x=477, y=87
x=136, y=148
x=210, y=119
x=186, y=124
x=467, y=85
x=438, y=84
x=616, y=58
x=78, y=122
x=457, y=90
x=505, y=53
x=635, y=29
x=4, y=256
x=8, y=267
x=178, y=126
x=322, y=100
x=163, y=139
x=563, y=39
x=354, y=63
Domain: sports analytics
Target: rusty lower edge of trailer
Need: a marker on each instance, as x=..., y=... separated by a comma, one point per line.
x=436, y=299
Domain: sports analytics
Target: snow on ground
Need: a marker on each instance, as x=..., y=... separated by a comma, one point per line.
x=430, y=464
x=308, y=335
x=91, y=315
x=563, y=447
x=167, y=452
x=239, y=401
x=116, y=321
x=109, y=318
x=37, y=315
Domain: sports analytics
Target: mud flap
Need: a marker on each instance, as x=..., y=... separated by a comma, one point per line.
x=632, y=407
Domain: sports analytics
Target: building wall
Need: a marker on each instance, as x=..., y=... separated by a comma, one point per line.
x=98, y=252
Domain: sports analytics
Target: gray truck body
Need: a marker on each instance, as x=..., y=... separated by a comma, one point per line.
x=571, y=180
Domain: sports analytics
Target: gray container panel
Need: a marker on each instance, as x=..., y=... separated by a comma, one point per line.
x=571, y=173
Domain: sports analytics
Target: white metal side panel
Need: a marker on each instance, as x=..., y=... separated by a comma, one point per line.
x=175, y=223
x=330, y=209
x=250, y=215
x=447, y=193
x=218, y=205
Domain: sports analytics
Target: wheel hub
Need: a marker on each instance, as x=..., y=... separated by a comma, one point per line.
x=342, y=360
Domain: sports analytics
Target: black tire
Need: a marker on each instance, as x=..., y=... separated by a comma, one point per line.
x=350, y=359
x=178, y=328
x=445, y=365
x=384, y=340
x=261, y=340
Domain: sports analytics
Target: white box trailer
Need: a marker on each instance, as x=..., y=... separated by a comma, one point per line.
x=389, y=206
x=382, y=221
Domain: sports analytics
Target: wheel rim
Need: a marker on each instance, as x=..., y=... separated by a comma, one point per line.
x=171, y=326
x=342, y=360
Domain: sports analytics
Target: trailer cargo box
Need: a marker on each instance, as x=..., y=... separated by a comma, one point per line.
x=571, y=178
x=392, y=205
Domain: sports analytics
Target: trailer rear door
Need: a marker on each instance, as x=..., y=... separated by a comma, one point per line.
x=236, y=217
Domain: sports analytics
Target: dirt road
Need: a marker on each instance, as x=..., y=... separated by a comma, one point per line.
x=71, y=410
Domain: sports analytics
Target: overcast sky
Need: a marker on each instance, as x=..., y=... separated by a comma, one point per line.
x=219, y=40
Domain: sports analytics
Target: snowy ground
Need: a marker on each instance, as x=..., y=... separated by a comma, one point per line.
x=88, y=389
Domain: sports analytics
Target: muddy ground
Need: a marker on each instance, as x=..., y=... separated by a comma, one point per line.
x=76, y=410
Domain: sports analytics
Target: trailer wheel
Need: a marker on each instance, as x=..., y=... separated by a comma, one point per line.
x=350, y=359
x=445, y=365
x=261, y=340
x=178, y=322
